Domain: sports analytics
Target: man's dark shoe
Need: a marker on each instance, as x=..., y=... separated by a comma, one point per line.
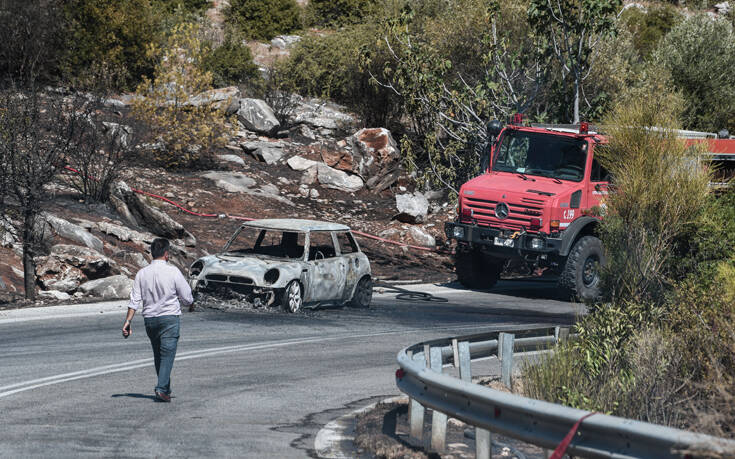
x=161, y=397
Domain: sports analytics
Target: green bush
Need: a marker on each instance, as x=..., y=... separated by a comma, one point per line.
x=194, y=6
x=700, y=55
x=264, y=19
x=114, y=32
x=649, y=27
x=339, y=12
x=230, y=64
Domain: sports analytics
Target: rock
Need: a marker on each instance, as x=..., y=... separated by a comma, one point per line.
x=302, y=134
x=421, y=237
x=123, y=233
x=338, y=159
x=234, y=182
x=723, y=8
x=375, y=154
x=134, y=208
x=120, y=133
x=304, y=191
x=114, y=103
x=74, y=232
x=284, y=181
x=112, y=287
x=313, y=194
x=434, y=195
x=412, y=208
x=319, y=114
x=67, y=265
x=55, y=294
x=391, y=233
x=270, y=189
x=299, y=163
x=268, y=152
x=232, y=159
x=8, y=235
x=338, y=180
x=219, y=99
x=257, y=116
x=284, y=41
x=59, y=276
x=310, y=175
x=138, y=258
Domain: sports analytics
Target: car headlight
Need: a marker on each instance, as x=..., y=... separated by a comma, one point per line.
x=537, y=243
x=271, y=276
x=458, y=232
x=196, y=269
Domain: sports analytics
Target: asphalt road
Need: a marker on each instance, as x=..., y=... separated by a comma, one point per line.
x=246, y=383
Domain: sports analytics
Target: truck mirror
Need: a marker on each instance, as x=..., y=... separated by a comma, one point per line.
x=493, y=128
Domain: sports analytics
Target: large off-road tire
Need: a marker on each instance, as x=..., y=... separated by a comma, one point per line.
x=292, y=297
x=477, y=271
x=581, y=275
x=363, y=294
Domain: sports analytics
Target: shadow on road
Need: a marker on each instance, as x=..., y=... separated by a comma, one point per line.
x=149, y=397
x=531, y=288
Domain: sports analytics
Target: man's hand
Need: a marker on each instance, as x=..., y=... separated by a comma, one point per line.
x=126, y=330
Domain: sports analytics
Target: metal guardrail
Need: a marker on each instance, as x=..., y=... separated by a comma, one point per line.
x=532, y=421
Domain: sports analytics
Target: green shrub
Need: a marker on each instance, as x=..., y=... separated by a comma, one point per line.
x=339, y=12
x=194, y=6
x=115, y=32
x=700, y=54
x=264, y=19
x=650, y=26
x=230, y=64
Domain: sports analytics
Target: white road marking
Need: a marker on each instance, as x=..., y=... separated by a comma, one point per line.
x=24, y=386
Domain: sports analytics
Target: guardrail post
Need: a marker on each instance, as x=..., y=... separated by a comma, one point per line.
x=561, y=334
x=465, y=362
x=416, y=410
x=438, y=420
x=506, y=363
x=483, y=444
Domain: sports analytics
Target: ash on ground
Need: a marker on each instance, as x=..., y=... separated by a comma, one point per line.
x=228, y=300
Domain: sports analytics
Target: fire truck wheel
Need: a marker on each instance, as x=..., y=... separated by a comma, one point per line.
x=581, y=275
x=477, y=271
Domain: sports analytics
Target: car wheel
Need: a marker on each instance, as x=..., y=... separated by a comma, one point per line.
x=292, y=298
x=363, y=294
x=581, y=275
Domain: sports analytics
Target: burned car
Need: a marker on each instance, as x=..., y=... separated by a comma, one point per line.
x=288, y=262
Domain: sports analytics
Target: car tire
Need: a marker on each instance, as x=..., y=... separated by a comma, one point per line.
x=581, y=275
x=292, y=298
x=477, y=271
x=363, y=295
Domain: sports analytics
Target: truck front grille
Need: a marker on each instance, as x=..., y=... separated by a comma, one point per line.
x=483, y=211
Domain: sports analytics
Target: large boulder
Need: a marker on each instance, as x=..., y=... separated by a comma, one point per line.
x=268, y=152
x=134, y=208
x=338, y=180
x=67, y=266
x=112, y=287
x=412, y=207
x=375, y=156
x=234, y=182
x=285, y=41
x=302, y=134
x=320, y=114
x=124, y=233
x=299, y=163
x=54, y=275
x=421, y=237
x=337, y=158
x=74, y=232
x=257, y=116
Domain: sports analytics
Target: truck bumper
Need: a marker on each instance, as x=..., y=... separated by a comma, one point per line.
x=485, y=237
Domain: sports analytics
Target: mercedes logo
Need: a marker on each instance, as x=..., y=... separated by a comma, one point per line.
x=502, y=211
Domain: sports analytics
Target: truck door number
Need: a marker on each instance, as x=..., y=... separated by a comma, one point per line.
x=569, y=214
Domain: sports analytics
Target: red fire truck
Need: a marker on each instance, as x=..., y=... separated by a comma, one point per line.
x=539, y=201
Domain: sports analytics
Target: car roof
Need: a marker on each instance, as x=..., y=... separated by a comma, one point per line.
x=295, y=224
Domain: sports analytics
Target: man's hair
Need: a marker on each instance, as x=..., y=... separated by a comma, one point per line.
x=159, y=246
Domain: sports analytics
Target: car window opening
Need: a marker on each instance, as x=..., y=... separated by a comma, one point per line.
x=541, y=155
x=269, y=243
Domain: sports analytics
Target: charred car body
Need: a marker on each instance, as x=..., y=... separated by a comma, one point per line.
x=289, y=262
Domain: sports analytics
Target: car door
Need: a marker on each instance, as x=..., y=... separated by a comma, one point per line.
x=598, y=185
x=327, y=270
x=350, y=253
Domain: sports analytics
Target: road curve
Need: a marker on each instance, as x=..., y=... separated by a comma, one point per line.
x=246, y=383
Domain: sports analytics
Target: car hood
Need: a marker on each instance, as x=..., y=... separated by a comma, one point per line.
x=224, y=263
x=509, y=182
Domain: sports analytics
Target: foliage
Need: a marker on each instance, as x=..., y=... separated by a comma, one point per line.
x=185, y=133
x=700, y=54
x=32, y=35
x=114, y=32
x=449, y=92
x=194, y=6
x=264, y=19
x=339, y=12
x=658, y=188
x=648, y=27
x=330, y=67
x=230, y=63
x=573, y=29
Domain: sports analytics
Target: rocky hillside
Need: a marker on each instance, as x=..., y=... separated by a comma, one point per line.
x=318, y=165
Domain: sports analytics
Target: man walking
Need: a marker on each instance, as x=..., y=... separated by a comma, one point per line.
x=159, y=289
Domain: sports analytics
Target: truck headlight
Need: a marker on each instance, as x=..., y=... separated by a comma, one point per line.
x=458, y=232
x=537, y=243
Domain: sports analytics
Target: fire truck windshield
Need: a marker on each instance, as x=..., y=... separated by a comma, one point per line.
x=544, y=155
